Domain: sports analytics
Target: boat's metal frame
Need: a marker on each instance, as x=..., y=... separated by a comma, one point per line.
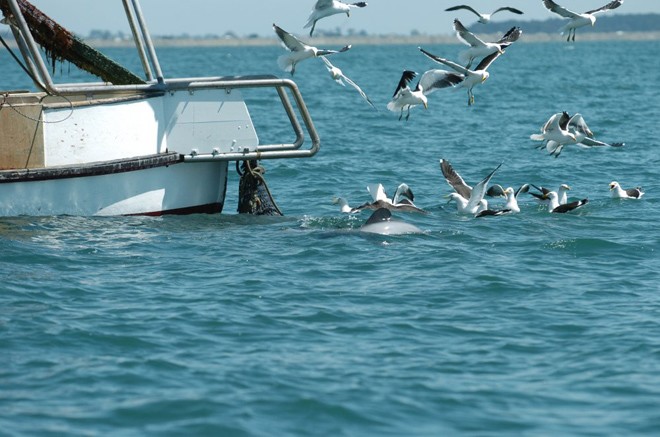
x=168, y=92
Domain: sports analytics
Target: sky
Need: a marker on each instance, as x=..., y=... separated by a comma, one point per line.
x=245, y=17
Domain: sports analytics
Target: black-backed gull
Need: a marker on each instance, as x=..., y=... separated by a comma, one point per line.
x=621, y=193
x=464, y=77
x=578, y=20
x=554, y=206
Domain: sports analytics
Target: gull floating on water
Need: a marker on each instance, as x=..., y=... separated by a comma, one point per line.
x=326, y=8
x=510, y=194
x=578, y=20
x=562, y=129
x=554, y=206
x=343, y=205
x=484, y=18
x=562, y=196
x=468, y=200
x=479, y=48
x=630, y=193
x=340, y=77
x=298, y=50
x=464, y=77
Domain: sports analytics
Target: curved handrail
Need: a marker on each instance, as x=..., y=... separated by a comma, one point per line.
x=270, y=151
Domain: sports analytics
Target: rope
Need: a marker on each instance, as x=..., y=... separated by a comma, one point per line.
x=5, y=96
x=257, y=173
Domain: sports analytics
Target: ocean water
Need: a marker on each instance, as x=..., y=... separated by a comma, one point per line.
x=528, y=324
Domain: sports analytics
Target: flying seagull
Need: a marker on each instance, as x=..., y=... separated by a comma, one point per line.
x=464, y=77
x=555, y=134
x=298, y=50
x=484, y=18
x=510, y=194
x=479, y=48
x=563, y=129
x=554, y=206
x=325, y=8
x=468, y=200
x=578, y=20
x=405, y=98
x=630, y=193
x=562, y=196
x=340, y=77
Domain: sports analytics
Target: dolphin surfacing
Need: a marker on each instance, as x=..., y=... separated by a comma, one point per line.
x=381, y=222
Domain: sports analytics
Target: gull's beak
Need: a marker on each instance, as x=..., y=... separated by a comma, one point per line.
x=611, y=187
x=484, y=79
x=426, y=105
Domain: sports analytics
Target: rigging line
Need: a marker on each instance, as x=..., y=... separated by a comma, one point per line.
x=20, y=63
x=37, y=83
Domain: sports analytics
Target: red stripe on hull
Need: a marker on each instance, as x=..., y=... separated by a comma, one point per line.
x=211, y=208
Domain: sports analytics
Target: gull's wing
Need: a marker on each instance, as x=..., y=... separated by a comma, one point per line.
x=466, y=36
x=608, y=7
x=403, y=192
x=433, y=80
x=485, y=62
x=377, y=192
x=553, y=123
x=570, y=206
x=455, y=180
x=324, y=52
x=507, y=8
x=560, y=10
x=495, y=190
x=466, y=7
x=479, y=190
x=289, y=41
x=446, y=62
x=578, y=124
x=322, y=4
x=510, y=37
x=524, y=188
x=354, y=85
x=406, y=77
x=359, y=90
x=590, y=142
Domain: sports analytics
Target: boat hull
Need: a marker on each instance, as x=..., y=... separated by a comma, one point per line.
x=156, y=185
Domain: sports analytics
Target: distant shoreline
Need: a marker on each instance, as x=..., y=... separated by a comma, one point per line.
x=375, y=40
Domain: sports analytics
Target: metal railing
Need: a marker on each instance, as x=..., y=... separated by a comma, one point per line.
x=269, y=151
x=156, y=83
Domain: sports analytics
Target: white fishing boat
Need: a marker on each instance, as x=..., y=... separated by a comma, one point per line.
x=158, y=146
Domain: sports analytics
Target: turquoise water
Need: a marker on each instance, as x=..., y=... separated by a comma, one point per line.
x=528, y=324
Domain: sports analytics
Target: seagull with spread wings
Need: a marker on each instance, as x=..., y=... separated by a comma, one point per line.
x=298, y=50
x=326, y=8
x=463, y=77
x=479, y=48
x=340, y=78
x=468, y=200
x=484, y=18
x=577, y=20
x=563, y=129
